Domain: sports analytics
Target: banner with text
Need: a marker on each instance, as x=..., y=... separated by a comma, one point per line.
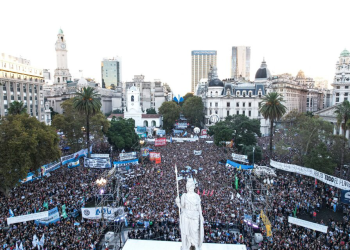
x=97, y=163
x=141, y=129
x=328, y=179
x=95, y=213
x=308, y=224
x=27, y=217
x=53, y=217
x=197, y=152
x=160, y=142
x=345, y=197
x=125, y=163
x=99, y=156
x=238, y=157
x=127, y=156
x=238, y=165
x=153, y=156
x=161, y=132
x=204, y=132
x=145, y=151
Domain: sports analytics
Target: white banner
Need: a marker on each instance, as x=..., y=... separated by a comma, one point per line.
x=197, y=152
x=27, y=217
x=99, y=156
x=95, y=213
x=127, y=156
x=97, y=163
x=308, y=224
x=328, y=179
x=241, y=158
x=264, y=170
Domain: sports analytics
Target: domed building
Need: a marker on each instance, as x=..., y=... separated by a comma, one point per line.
x=263, y=73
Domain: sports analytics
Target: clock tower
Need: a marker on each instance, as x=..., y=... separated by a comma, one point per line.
x=62, y=74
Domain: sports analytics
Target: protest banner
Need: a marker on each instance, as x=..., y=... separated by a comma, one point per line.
x=308, y=224
x=74, y=164
x=27, y=217
x=238, y=157
x=328, y=179
x=238, y=165
x=197, y=152
x=204, y=132
x=53, y=217
x=99, y=155
x=125, y=163
x=95, y=213
x=145, y=151
x=127, y=156
x=345, y=197
x=160, y=132
x=160, y=142
x=97, y=163
x=153, y=156
x=266, y=222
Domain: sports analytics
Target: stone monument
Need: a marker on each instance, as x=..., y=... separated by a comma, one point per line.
x=191, y=218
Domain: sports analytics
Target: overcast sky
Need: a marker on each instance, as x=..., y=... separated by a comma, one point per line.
x=155, y=38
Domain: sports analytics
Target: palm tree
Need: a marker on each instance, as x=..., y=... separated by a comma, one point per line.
x=343, y=119
x=87, y=101
x=17, y=108
x=272, y=109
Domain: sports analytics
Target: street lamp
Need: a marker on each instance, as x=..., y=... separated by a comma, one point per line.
x=101, y=183
x=253, y=155
x=141, y=143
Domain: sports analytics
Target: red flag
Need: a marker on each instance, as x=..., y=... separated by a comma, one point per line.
x=204, y=192
x=212, y=192
x=198, y=192
x=208, y=192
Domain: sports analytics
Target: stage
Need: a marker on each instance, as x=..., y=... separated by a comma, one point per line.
x=171, y=245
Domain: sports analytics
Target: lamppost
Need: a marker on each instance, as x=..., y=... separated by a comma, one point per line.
x=141, y=143
x=101, y=183
x=253, y=155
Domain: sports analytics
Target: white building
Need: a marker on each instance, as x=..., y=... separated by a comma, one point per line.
x=224, y=98
x=19, y=81
x=341, y=81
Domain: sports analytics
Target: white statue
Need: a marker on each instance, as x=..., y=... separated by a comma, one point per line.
x=191, y=218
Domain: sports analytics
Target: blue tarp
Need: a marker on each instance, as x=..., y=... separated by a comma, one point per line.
x=239, y=165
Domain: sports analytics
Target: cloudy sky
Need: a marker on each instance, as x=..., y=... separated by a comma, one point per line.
x=155, y=38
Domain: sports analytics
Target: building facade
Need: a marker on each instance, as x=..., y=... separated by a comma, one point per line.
x=152, y=94
x=240, y=62
x=202, y=61
x=19, y=81
x=230, y=97
x=341, y=80
x=111, y=75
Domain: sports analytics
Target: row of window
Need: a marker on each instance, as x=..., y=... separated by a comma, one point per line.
x=346, y=87
x=20, y=68
x=228, y=104
x=237, y=113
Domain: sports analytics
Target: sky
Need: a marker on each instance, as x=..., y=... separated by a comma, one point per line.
x=155, y=37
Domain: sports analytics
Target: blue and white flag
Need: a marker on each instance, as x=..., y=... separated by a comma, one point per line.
x=11, y=213
x=185, y=134
x=171, y=139
x=126, y=222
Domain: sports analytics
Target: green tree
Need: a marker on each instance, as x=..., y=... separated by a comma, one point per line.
x=25, y=145
x=240, y=128
x=151, y=111
x=320, y=159
x=272, y=109
x=87, y=101
x=53, y=113
x=72, y=123
x=170, y=112
x=193, y=110
x=122, y=135
x=17, y=108
x=336, y=150
x=343, y=119
x=187, y=96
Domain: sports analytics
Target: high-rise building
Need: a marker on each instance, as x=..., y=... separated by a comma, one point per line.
x=111, y=72
x=62, y=75
x=202, y=61
x=21, y=82
x=240, y=62
x=341, y=82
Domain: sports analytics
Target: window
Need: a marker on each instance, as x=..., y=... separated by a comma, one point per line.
x=259, y=94
x=132, y=98
x=258, y=113
x=210, y=105
x=244, y=92
x=345, y=98
x=243, y=112
x=228, y=112
x=249, y=104
x=237, y=112
x=346, y=94
x=210, y=112
x=249, y=113
x=216, y=104
x=338, y=87
x=237, y=104
x=216, y=112
x=337, y=99
x=227, y=104
x=250, y=93
x=243, y=104
x=346, y=87
x=237, y=93
x=337, y=94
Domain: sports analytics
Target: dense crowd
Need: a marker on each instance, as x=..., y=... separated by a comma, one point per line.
x=149, y=194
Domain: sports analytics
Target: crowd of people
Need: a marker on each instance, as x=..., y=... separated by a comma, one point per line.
x=149, y=198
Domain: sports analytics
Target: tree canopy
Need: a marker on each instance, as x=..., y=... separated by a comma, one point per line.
x=240, y=128
x=72, y=123
x=170, y=112
x=193, y=110
x=122, y=135
x=25, y=145
x=151, y=111
x=17, y=108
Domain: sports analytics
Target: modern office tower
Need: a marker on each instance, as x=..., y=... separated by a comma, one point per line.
x=21, y=82
x=202, y=61
x=111, y=75
x=62, y=75
x=240, y=62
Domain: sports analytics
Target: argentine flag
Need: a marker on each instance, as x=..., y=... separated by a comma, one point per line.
x=171, y=139
x=11, y=213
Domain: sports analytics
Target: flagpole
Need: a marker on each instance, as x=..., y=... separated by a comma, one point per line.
x=177, y=188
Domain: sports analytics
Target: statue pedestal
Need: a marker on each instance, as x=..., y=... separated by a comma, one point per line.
x=170, y=245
